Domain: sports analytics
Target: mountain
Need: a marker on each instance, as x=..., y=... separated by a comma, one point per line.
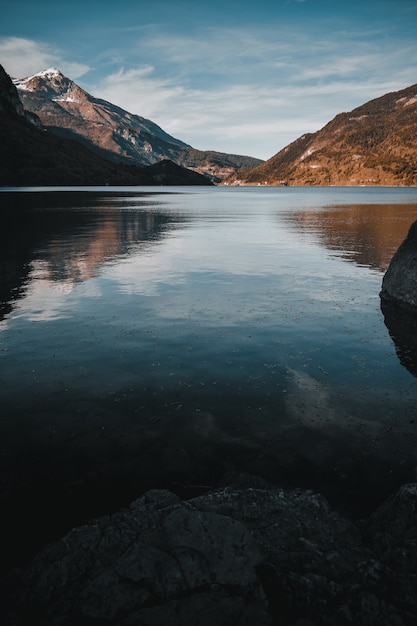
x=31, y=155
x=69, y=111
x=375, y=144
x=10, y=104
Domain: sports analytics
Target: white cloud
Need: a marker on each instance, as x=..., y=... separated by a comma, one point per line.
x=22, y=57
x=138, y=91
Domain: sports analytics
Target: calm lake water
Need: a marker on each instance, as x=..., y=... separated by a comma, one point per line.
x=174, y=337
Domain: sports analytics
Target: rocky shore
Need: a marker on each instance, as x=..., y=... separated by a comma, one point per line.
x=247, y=554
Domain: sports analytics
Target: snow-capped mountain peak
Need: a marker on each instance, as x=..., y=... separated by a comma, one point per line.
x=61, y=102
x=50, y=73
x=69, y=110
x=31, y=83
x=52, y=84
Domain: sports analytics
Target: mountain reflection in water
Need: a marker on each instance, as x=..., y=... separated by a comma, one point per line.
x=65, y=237
x=366, y=234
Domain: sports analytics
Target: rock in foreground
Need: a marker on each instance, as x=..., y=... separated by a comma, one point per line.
x=247, y=556
x=400, y=281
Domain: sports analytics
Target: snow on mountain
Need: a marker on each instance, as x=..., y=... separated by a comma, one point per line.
x=24, y=83
x=53, y=84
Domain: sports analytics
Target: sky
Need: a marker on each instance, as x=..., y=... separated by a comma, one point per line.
x=239, y=76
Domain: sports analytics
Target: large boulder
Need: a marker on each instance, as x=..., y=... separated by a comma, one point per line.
x=399, y=284
x=255, y=555
x=161, y=562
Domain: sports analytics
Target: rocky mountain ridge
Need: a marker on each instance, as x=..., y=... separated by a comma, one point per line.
x=10, y=103
x=374, y=144
x=69, y=111
x=30, y=155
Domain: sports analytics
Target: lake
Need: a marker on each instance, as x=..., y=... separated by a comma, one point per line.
x=177, y=337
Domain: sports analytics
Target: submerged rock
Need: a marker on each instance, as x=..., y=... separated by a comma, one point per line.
x=239, y=555
x=399, y=284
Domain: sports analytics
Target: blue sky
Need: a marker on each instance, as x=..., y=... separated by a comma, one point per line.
x=235, y=76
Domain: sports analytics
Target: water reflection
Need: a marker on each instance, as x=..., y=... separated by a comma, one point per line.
x=366, y=234
x=71, y=236
x=402, y=328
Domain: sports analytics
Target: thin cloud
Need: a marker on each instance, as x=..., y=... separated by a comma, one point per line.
x=265, y=56
x=138, y=91
x=22, y=57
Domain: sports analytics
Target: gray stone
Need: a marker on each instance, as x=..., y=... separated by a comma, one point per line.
x=399, y=284
x=256, y=555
